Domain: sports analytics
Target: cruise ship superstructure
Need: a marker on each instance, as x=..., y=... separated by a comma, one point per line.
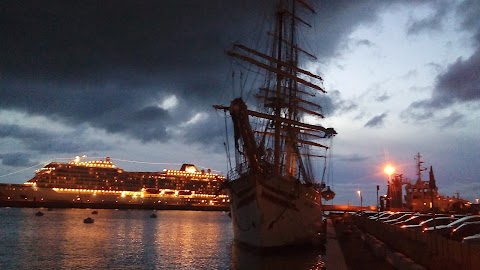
x=102, y=182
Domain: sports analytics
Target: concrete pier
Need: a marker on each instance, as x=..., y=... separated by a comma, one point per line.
x=334, y=258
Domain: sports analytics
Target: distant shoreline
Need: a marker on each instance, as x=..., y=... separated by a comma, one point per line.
x=103, y=205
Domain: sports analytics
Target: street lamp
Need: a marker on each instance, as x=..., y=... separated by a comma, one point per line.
x=389, y=170
x=361, y=199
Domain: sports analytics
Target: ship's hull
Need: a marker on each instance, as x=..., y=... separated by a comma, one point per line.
x=28, y=195
x=274, y=212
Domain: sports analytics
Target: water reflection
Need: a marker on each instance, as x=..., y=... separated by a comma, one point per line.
x=131, y=240
x=301, y=259
x=195, y=240
x=116, y=240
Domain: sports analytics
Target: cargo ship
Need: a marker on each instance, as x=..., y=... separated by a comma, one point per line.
x=101, y=184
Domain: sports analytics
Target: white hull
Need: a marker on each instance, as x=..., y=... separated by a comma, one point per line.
x=274, y=213
x=29, y=193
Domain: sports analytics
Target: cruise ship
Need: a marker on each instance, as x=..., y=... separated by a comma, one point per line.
x=101, y=184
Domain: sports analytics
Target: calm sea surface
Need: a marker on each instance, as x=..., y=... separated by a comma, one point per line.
x=130, y=239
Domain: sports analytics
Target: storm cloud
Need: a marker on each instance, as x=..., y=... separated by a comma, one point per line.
x=45, y=141
x=376, y=121
x=110, y=64
x=460, y=82
x=17, y=159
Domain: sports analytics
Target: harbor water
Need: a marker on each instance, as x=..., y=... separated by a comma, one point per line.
x=131, y=239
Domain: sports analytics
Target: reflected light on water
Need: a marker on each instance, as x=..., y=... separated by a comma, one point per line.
x=116, y=240
x=130, y=239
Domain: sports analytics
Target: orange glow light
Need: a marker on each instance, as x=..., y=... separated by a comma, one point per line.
x=389, y=169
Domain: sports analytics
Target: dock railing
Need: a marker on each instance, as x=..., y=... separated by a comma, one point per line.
x=428, y=250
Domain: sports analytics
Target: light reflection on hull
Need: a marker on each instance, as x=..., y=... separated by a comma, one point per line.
x=29, y=193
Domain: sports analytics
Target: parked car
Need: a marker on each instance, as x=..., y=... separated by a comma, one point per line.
x=403, y=217
x=392, y=216
x=366, y=213
x=446, y=230
x=413, y=220
x=472, y=240
x=389, y=214
x=429, y=223
x=464, y=230
x=381, y=214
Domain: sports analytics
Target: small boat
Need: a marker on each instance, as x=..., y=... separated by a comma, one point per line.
x=153, y=216
x=39, y=214
x=94, y=212
x=88, y=220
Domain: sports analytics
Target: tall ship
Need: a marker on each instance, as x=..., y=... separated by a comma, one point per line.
x=101, y=183
x=276, y=199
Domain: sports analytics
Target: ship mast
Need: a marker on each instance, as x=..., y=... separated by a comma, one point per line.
x=419, y=167
x=284, y=102
x=277, y=107
x=292, y=150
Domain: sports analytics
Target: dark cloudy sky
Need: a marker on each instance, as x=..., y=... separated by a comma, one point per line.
x=135, y=80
